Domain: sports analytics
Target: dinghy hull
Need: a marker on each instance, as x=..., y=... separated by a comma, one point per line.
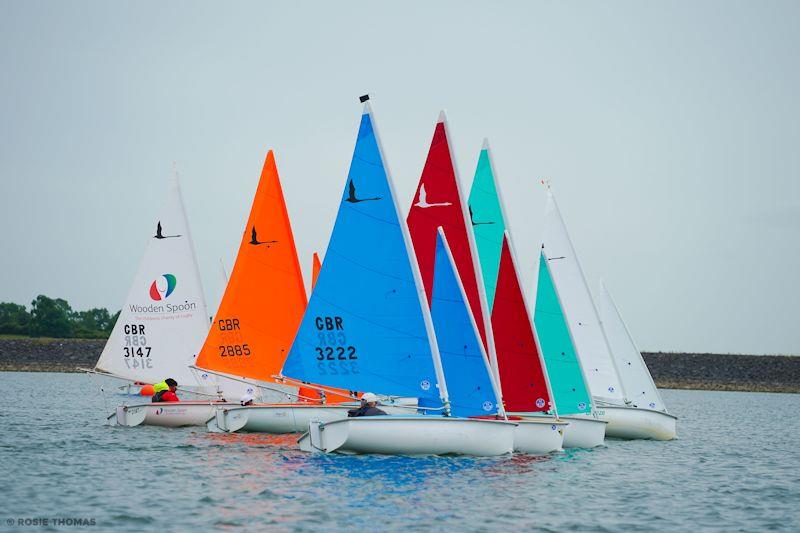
x=168, y=414
x=539, y=436
x=583, y=431
x=277, y=419
x=284, y=418
x=634, y=423
x=410, y=435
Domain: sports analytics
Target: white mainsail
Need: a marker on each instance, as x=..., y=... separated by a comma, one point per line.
x=164, y=319
x=579, y=309
x=636, y=379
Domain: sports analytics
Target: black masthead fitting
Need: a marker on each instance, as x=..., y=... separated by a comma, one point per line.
x=363, y=98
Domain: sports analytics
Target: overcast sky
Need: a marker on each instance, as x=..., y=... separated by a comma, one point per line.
x=670, y=130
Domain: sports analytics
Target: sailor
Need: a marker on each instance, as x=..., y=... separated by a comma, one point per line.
x=165, y=391
x=368, y=407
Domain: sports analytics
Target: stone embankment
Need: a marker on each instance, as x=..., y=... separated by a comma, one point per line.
x=670, y=370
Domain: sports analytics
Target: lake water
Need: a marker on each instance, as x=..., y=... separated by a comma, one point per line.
x=736, y=465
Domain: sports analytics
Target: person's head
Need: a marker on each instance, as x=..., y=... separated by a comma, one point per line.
x=247, y=399
x=172, y=384
x=369, y=399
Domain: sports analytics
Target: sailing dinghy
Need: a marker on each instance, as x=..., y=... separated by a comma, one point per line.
x=568, y=382
x=608, y=393
x=256, y=322
x=524, y=376
x=649, y=418
x=162, y=324
x=369, y=307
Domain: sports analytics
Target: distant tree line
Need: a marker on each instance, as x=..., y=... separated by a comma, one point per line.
x=53, y=317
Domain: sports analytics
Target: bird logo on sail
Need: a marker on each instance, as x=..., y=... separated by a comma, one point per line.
x=351, y=195
x=472, y=219
x=162, y=287
x=254, y=239
x=160, y=235
x=423, y=200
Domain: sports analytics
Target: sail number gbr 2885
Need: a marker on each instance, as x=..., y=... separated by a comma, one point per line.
x=231, y=338
x=334, y=355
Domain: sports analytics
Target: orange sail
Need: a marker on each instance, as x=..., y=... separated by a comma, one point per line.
x=315, y=270
x=265, y=298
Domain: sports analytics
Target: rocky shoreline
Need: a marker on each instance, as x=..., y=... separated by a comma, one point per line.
x=753, y=373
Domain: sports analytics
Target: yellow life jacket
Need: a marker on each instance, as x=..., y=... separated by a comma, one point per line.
x=158, y=387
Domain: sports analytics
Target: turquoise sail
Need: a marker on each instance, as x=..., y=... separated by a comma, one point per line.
x=466, y=369
x=364, y=327
x=566, y=377
x=488, y=223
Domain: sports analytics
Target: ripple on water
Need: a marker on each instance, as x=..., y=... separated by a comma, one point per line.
x=734, y=467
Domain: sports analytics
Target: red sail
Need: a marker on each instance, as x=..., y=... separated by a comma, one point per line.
x=437, y=202
x=521, y=375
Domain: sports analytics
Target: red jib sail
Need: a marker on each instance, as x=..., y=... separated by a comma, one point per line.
x=437, y=202
x=521, y=374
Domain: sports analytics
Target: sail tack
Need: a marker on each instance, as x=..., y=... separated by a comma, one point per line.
x=579, y=309
x=470, y=385
x=364, y=327
x=164, y=319
x=639, y=387
x=566, y=377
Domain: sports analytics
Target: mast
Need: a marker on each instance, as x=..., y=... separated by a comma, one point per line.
x=423, y=299
x=539, y=352
x=203, y=303
x=543, y=255
x=592, y=309
x=500, y=407
x=476, y=264
x=512, y=249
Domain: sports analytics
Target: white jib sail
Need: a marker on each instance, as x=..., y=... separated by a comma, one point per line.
x=639, y=387
x=164, y=320
x=579, y=309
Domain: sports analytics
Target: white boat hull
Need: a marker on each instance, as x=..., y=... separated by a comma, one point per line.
x=583, y=431
x=410, y=435
x=637, y=423
x=165, y=414
x=538, y=436
x=276, y=419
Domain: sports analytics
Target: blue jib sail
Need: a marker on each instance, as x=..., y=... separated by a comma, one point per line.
x=466, y=370
x=363, y=328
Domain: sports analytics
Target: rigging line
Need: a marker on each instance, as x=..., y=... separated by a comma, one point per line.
x=265, y=387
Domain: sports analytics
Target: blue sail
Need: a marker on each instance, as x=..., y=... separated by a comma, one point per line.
x=466, y=370
x=364, y=327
